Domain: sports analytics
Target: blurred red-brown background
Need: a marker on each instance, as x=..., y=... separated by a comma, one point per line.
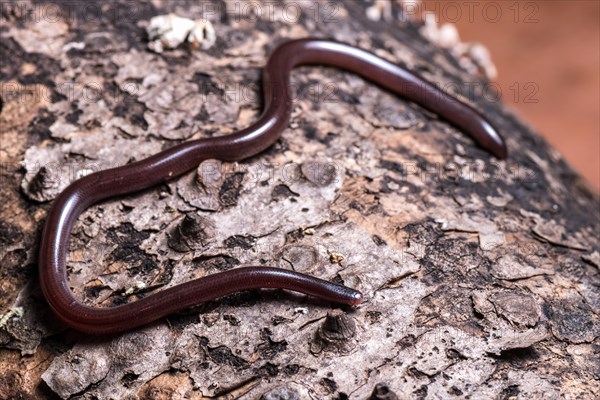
x=556, y=46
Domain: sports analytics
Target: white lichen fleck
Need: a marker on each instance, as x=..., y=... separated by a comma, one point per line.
x=169, y=31
x=14, y=312
x=135, y=288
x=475, y=58
x=381, y=9
x=336, y=258
x=309, y=231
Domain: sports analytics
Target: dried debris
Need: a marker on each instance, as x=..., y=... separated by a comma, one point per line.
x=475, y=58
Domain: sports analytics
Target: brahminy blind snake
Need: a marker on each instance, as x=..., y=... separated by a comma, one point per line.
x=238, y=146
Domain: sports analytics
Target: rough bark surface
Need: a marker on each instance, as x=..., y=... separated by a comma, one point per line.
x=481, y=277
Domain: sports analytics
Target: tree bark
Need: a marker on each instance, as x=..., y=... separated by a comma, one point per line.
x=480, y=276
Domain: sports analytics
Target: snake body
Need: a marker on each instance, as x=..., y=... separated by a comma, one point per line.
x=248, y=142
